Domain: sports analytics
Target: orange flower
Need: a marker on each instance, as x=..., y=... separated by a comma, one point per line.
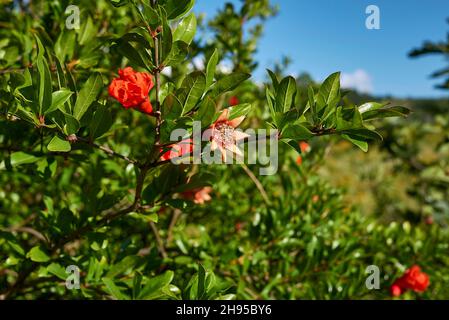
x=131, y=89
x=180, y=149
x=413, y=279
x=198, y=195
x=299, y=160
x=223, y=135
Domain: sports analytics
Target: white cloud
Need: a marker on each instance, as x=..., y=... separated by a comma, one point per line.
x=359, y=80
x=167, y=71
x=225, y=67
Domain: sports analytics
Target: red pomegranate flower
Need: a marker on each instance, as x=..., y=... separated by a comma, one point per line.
x=413, y=279
x=131, y=89
x=179, y=149
x=304, y=146
x=199, y=195
x=223, y=135
x=233, y=101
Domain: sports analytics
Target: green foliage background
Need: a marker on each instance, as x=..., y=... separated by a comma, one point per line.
x=320, y=226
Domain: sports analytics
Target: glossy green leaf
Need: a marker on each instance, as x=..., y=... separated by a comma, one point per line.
x=87, y=95
x=296, y=132
x=228, y=83
x=285, y=94
x=57, y=270
x=240, y=110
x=19, y=158
x=177, y=54
x=59, y=98
x=360, y=143
x=329, y=92
x=101, y=122
x=113, y=289
x=45, y=86
x=177, y=8
x=59, y=145
x=210, y=68
x=194, y=83
x=153, y=288
x=38, y=254
x=185, y=31
x=122, y=266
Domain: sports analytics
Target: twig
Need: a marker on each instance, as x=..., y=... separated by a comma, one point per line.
x=256, y=182
x=157, y=71
x=107, y=150
x=176, y=214
x=29, y=230
x=159, y=242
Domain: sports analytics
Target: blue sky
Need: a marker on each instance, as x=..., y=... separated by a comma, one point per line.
x=324, y=36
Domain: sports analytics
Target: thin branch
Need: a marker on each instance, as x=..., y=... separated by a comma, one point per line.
x=176, y=214
x=107, y=150
x=159, y=242
x=157, y=71
x=257, y=183
x=29, y=230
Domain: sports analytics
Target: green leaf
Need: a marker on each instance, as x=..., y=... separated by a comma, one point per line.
x=311, y=100
x=153, y=288
x=150, y=15
x=201, y=282
x=65, y=45
x=186, y=29
x=171, y=108
x=87, y=95
x=137, y=55
x=348, y=118
x=59, y=145
x=396, y=111
x=274, y=79
x=119, y=3
x=166, y=40
x=101, y=122
x=270, y=100
x=210, y=68
x=296, y=132
x=240, y=110
x=370, y=106
x=195, y=84
x=228, y=83
x=45, y=86
x=362, y=133
x=37, y=254
x=19, y=158
x=127, y=263
x=177, y=54
x=360, y=143
x=87, y=31
x=113, y=290
x=57, y=270
x=329, y=92
x=206, y=112
x=58, y=99
x=177, y=8
x=285, y=94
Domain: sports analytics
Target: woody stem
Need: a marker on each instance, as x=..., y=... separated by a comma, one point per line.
x=157, y=72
